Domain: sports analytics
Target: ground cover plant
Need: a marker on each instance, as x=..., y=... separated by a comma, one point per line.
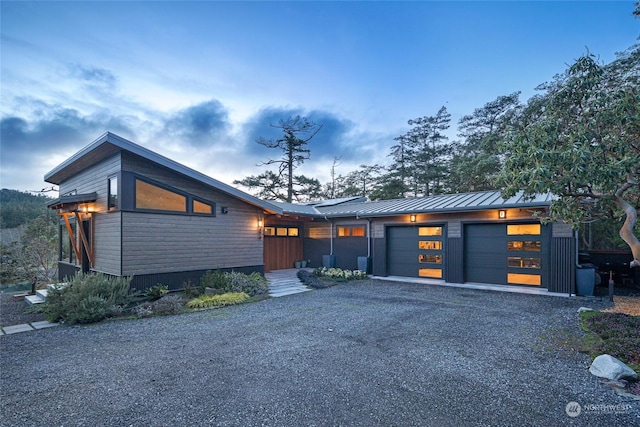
x=323, y=277
x=210, y=301
x=615, y=334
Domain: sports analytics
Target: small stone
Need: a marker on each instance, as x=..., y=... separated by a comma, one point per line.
x=582, y=309
x=330, y=330
x=606, y=366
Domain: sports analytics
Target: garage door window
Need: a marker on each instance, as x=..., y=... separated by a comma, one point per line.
x=519, y=245
x=520, y=229
x=519, y=263
x=430, y=245
x=430, y=231
x=435, y=273
x=429, y=259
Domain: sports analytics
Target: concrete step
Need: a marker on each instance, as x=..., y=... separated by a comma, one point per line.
x=34, y=299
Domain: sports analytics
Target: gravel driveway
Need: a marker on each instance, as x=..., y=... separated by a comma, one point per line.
x=369, y=354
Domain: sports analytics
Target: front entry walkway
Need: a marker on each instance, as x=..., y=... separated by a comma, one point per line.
x=285, y=282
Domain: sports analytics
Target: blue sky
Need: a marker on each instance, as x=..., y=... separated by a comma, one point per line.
x=200, y=81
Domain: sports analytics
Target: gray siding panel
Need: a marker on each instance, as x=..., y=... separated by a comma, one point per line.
x=94, y=179
x=107, y=242
x=563, y=268
x=160, y=243
x=454, y=261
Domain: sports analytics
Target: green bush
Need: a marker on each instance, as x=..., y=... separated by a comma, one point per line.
x=340, y=274
x=157, y=292
x=215, y=280
x=252, y=284
x=87, y=298
x=209, y=301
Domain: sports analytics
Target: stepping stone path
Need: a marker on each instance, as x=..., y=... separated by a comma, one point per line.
x=26, y=327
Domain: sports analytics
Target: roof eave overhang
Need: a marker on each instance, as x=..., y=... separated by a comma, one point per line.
x=431, y=211
x=108, y=144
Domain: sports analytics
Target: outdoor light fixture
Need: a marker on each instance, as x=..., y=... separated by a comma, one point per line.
x=260, y=223
x=224, y=210
x=502, y=214
x=412, y=218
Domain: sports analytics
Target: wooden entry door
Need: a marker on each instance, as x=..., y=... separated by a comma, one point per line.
x=281, y=252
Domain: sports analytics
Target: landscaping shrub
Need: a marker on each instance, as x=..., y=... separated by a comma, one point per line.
x=208, y=301
x=87, y=298
x=252, y=284
x=157, y=292
x=168, y=304
x=215, y=280
x=340, y=274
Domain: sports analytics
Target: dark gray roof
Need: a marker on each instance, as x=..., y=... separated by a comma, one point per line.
x=110, y=143
x=432, y=204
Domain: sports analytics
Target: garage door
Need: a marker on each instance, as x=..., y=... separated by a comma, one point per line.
x=513, y=254
x=416, y=251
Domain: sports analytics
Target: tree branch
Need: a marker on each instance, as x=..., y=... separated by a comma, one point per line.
x=626, y=231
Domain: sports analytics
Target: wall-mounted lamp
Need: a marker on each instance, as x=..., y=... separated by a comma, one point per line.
x=502, y=214
x=412, y=218
x=260, y=223
x=224, y=210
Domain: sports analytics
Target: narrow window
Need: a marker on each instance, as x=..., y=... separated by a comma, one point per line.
x=269, y=231
x=430, y=272
x=523, y=279
x=202, y=208
x=112, y=193
x=518, y=229
x=344, y=231
x=430, y=259
x=292, y=232
x=430, y=231
x=430, y=245
x=357, y=231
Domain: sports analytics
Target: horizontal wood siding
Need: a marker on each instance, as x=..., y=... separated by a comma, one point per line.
x=107, y=242
x=94, y=179
x=106, y=225
x=158, y=243
x=562, y=230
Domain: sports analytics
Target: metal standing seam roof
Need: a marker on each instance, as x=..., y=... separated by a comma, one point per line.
x=432, y=204
x=110, y=143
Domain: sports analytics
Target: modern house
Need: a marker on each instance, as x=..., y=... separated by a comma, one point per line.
x=127, y=211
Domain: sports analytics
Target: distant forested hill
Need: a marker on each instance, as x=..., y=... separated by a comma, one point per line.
x=18, y=208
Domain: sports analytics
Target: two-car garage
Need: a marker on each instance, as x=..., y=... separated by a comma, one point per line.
x=496, y=253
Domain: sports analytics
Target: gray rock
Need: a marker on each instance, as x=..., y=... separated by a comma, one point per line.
x=606, y=366
x=581, y=309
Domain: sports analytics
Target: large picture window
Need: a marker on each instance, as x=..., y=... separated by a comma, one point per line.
x=149, y=196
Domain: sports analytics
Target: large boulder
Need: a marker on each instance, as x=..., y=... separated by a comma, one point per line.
x=609, y=367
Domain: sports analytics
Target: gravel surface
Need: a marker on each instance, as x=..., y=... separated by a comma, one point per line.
x=14, y=311
x=368, y=354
